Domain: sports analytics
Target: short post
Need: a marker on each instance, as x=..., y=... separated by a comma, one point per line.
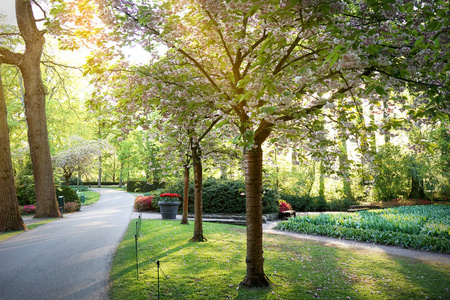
x=61, y=204
x=137, y=261
x=157, y=264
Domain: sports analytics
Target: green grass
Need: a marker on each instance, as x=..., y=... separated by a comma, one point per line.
x=91, y=197
x=298, y=269
x=416, y=227
x=9, y=234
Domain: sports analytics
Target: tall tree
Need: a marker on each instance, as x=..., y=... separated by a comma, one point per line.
x=10, y=218
x=29, y=65
x=284, y=65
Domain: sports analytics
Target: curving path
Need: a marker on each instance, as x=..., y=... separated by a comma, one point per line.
x=69, y=258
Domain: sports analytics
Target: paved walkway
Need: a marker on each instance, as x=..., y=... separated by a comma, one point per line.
x=69, y=258
x=335, y=242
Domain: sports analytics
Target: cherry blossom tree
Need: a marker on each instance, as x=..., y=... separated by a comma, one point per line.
x=287, y=69
x=79, y=156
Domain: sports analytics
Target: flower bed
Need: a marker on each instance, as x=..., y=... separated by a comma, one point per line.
x=28, y=210
x=416, y=227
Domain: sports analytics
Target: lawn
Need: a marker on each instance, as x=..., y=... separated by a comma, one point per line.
x=298, y=269
x=91, y=197
x=424, y=227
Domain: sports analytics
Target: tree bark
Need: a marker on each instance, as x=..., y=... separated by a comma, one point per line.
x=184, y=220
x=198, y=179
x=253, y=195
x=10, y=218
x=29, y=66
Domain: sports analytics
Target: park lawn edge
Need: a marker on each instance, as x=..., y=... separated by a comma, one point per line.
x=298, y=269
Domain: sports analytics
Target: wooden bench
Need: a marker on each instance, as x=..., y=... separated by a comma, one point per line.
x=284, y=215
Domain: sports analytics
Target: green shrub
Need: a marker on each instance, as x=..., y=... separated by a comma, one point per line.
x=142, y=186
x=69, y=194
x=224, y=196
x=26, y=194
x=340, y=204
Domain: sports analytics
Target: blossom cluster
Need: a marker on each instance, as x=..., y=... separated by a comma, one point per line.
x=170, y=195
x=284, y=206
x=28, y=209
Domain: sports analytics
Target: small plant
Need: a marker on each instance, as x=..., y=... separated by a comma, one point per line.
x=168, y=197
x=143, y=203
x=284, y=206
x=28, y=210
x=71, y=207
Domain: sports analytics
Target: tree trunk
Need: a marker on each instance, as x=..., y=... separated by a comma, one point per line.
x=321, y=180
x=10, y=218
x=184, y=220
x=343, y=159
x=29, y=66
x=417, y=188
x=253, y=195
x=121, y=175
x=99, y=171
x=198, y=179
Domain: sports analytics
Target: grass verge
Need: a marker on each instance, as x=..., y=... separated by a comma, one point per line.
x=298, y=269
x=9, y=234
x=91, y=197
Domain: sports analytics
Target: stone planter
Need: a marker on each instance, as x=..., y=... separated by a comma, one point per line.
x=168, y=209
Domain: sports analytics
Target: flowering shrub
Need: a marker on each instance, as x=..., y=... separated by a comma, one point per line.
x=284, y=206
x=28, y=209
x=71, y=207
x=169, y=196
x=143, y=203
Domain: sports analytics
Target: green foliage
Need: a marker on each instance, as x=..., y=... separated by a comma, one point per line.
x=415, y=227
x=142, y=186
x=25, y=190
x=392, y=178
x=225, y=196
x=69, y=194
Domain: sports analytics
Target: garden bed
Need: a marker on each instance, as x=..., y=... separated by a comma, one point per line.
x=414, y=227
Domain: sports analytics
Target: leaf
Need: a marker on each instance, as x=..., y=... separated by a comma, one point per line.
x=268, y=109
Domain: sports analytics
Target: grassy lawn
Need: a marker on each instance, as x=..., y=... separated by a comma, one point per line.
x=91, y=197
x=9, y=234
x=298, y=269
x=424, y=227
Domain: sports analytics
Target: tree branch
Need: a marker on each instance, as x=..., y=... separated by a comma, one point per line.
x=9, y=57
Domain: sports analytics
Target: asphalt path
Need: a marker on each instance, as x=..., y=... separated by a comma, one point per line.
x=69, y=258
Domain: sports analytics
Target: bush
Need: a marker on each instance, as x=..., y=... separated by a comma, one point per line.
x=28, y=210
x=340, y=204
x=142, y=186
x=225, y=196
x=143, y=203
x=307, y=203
x=284, y=206
x=71, y=207
x=69, y=194
x=26, y=194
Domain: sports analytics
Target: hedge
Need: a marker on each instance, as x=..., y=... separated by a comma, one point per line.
x=225, y=196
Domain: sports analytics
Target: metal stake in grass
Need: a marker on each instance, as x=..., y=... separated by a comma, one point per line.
x=157, y=264
x=137, y=262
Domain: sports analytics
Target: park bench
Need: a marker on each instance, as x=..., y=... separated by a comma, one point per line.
x=284, y=215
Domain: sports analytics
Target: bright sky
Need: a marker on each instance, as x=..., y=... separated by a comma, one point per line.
x=8, y=8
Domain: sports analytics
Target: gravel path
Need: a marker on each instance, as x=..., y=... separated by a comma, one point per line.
x=69, y=258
